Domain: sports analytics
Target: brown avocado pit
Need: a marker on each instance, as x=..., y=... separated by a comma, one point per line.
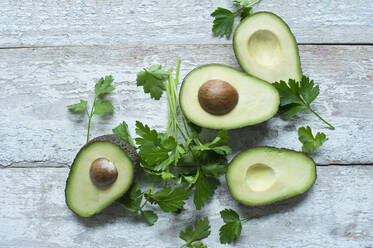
x=103, y=172
x=217, y=97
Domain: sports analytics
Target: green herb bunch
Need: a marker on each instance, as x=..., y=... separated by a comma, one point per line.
x=177, y=160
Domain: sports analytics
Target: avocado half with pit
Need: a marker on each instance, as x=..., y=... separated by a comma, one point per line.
x=220, y=97
x=102, y=171
x=266, y=48
x=263, y=175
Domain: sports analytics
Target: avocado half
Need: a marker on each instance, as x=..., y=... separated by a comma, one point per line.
x=266, y=48
x=220, y=97
x=263, y=175
x=86, y=196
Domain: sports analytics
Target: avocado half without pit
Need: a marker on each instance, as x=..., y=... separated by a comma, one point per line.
x=266, y=48
x=220, y=97
x=102, y=171
x=263, y=175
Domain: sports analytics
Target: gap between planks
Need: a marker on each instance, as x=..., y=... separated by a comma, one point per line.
x=52, y=164
x=177, y=44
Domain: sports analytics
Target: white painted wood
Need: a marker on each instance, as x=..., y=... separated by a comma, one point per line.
x=37, y=84
x=151, y=22
x=336, y=212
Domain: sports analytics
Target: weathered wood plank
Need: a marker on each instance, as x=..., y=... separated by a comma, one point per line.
x=37, y=84
x=336, y=212
x=124, y=22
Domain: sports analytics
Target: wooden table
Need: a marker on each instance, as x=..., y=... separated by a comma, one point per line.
x=52, y=52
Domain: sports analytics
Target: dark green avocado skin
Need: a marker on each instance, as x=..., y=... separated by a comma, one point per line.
x=125, y=146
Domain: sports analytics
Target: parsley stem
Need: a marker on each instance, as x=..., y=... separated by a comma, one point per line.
x=169, y=109
x=177, y=72
x=90, y=118
x=330, y=125
x=143, y=205
x=176, y=99
x=170, y=96
x=252, y=4
x=173, y=99
x=237, y=11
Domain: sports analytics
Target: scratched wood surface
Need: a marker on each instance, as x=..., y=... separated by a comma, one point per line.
x=336, y=212
x=52, y=52
x=132, y=22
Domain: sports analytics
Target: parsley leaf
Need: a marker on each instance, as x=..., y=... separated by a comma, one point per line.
x=148, y=137
x=149, y=216
x=152, y=80
x=103, y=86
x=168, y=199
x=156, y=155
x=246, y=11
x=296, y=96
x=200, y=231
x=205, y=188
x=223, y=22
x=196, y=130
x=215, y=168
x=102, y=107
x=157, y=150
x=197, y=244
x=232, y=228
x=122, y=132
x=218, y=145
x=310, y=143
x=212, y=163
x=78, y=107
x=132, y=202
x=132, y=199
x=224, y=18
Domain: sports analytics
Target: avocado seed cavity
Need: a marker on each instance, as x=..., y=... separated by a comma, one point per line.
x=260, y=177
x=217, y=97
x=103, y=172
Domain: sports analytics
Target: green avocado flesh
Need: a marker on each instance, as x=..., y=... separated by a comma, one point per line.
x=266, y=48
x=257, y=101
x=264, y=175
x=84, y=197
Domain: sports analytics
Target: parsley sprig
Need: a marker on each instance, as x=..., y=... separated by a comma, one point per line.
x=193, y=234
x=224, y=18
x=133, y=202
x=231, y=230
x=99, y=106
x=310, y=142
x=181, y=162
x=296, y=96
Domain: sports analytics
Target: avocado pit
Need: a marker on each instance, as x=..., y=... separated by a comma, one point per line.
x=217, y=97
x=103, y=172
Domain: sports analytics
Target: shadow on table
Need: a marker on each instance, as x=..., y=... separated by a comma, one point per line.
x=283, y=206
x=243, y=138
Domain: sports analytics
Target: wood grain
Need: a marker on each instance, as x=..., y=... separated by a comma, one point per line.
x=38, y=84
x=336, y=212
x=153, y=22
